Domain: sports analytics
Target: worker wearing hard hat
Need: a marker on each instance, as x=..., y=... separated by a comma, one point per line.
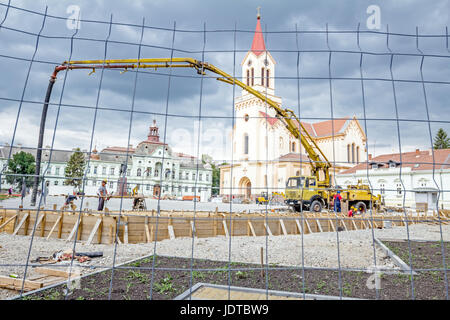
x=337, y=201
x=102, y=195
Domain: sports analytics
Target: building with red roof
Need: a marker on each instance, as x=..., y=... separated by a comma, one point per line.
x=416, y=179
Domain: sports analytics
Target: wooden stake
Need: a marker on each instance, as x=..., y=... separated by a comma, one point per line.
x=61, y=220
x=318, y=224
x=298, y=226
x=24, y=218
x=251, y=228
x=94, y=230
x=74, y=229
x=43, y=220
x=283, y=227
x=225, y=228
x=53, y=228
x=268, y=229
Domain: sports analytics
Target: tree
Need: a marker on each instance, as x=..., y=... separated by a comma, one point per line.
x=206, y=159
x=75, y=169
x=215, y=179
x=441, y=140
x=21, y=168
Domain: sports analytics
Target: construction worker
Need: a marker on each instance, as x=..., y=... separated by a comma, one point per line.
x=337, y=201
x=102, y=195
x=352, y=211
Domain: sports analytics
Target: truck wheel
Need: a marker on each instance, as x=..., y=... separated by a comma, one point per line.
x=361, y=207
x=316, y=206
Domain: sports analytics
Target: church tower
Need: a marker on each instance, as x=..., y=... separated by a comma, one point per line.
x=258, y=66
x=252, y=139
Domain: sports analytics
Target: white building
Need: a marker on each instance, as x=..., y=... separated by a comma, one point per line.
x=152, y=166
x=410, y=179
x=265, y=154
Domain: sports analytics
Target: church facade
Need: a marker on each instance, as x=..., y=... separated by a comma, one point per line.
x=265, y=154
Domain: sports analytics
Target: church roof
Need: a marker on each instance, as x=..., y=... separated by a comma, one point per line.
x=325, y=128
x=318, y=129
x=258, y=45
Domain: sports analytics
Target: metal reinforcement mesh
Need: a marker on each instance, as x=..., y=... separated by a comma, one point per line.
x=142, y=86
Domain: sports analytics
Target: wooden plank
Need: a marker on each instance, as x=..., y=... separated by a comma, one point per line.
x=225, y=228
x=268, y=229
x=100, y=231
x=283, y=227
x=16, y=284
x=171, y=231
x=61, y=221
x=42, y=221
x=308, y=226
x=319, y=225
x=125, y=232
x=24, y=218
x=345, y=225
x=74, y=229
x=8, y=221
x=332, y=225
x=147, y=233
x=193, y=233
x=251, y=228
x=80, y=227
x=354, y=225
x=298, y=226
x=53, y=228
x=94, y=230
x=57, y=272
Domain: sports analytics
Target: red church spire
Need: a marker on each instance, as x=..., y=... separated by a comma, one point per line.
x=258, y=45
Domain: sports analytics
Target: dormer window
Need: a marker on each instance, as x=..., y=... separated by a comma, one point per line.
x=374, y=165
x=392, y=165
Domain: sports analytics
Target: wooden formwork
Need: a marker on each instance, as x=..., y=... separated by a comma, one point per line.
x=141, y=227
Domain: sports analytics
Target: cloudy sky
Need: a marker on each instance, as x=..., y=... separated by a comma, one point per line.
x=94, y=110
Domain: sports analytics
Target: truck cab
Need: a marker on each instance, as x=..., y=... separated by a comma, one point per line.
x=303, y=193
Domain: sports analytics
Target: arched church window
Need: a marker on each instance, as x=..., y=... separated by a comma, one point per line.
x=253, y=77
x=293, y=147
x=268, y=77
x=139, y=172
x=248, y=77
x=245, y=143
x=357, y=154
x=353, y=152
x=348, y=153
x=246, y=117
x=281, y=143
x=262, y=76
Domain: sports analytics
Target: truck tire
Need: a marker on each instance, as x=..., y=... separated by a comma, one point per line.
x=361, y=207
x=316, y=206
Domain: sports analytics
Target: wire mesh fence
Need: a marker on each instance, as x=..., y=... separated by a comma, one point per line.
x=295, y=199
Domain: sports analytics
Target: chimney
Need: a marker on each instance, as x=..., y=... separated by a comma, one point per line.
x=370, y=156
x=417, y=151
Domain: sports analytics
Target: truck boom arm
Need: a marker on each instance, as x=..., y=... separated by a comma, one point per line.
x=286, y=116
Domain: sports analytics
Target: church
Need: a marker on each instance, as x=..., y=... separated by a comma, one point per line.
x=265, y=154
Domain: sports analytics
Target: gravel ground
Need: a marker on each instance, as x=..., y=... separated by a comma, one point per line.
x=355, y=249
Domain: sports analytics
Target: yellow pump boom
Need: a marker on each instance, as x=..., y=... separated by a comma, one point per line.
x=318, y=160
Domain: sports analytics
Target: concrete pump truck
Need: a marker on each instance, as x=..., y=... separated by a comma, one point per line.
x=313, y=192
